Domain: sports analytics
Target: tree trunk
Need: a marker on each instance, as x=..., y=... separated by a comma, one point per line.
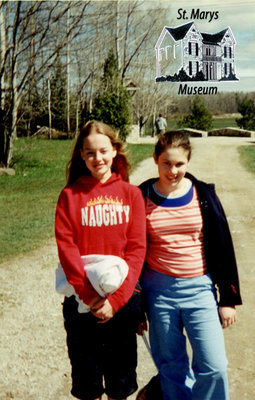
x=14, y=117
x=68, y=77
x=14, y=103
x=49, y=107
x=117, y=40
x=77, y=116
x=32, y=74
x=3, y=55
x=2, y=140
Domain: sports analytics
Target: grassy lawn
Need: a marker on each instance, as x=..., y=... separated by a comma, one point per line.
x=139, y=152
x=247, y=157
x=28, y=199
x=224, y=123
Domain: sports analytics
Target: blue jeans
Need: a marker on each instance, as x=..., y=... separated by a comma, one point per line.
x=174, y=304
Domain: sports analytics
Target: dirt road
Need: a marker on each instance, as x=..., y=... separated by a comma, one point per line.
x=34, y=363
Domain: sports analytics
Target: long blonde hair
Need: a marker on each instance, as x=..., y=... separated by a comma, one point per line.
x=76, y=167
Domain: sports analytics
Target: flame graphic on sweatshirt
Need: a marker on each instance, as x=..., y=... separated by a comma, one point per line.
x=104, y=200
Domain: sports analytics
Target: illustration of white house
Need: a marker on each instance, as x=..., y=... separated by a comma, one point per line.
x=186, y=48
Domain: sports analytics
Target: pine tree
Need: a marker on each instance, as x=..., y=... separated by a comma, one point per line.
x=112, y=105
x=199, y=116
x=58, y=100
x=247, y=109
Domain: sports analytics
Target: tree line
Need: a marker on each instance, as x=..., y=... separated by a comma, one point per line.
x=52, y=57
x=64, y=62
x=199, y=117
x=221, y=103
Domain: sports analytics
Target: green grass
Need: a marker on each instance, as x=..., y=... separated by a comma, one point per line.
x=139, y=152
x=247, y=157
x=28, y=199
x=219, y=123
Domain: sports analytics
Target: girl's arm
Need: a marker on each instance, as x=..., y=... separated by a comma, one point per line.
x=69, y=254
x=135, y=251
x=220, y=254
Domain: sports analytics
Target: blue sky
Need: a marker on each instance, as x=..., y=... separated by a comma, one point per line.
x=239, y=15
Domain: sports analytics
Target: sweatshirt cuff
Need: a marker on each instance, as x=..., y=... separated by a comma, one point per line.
x=89, y=292
x=230, y=297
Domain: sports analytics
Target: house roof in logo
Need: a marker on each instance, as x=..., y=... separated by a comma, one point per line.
x=179, y=32
x=213, y=38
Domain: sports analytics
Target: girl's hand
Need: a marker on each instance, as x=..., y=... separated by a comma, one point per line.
x=103, y=310
x=227, y=316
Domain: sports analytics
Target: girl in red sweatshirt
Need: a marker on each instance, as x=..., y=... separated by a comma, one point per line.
x=99, y=212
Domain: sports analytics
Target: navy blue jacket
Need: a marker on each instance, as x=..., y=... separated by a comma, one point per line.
x=218, y=245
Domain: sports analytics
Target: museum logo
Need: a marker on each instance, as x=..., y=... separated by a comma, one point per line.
x=185, y=54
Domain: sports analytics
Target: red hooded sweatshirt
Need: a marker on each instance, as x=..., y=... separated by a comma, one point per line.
x=101, y=218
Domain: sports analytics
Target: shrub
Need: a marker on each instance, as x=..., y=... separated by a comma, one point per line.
x=246, y=107
x=198, y=118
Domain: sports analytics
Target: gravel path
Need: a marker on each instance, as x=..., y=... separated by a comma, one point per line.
x=34, y=362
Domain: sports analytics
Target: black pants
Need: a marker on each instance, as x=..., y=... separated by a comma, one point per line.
x=98, y=351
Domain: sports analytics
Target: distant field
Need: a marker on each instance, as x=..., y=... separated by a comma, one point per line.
x=224, y=123
x=218, y=122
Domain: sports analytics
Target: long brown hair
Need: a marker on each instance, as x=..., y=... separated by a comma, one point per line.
x=76, y=167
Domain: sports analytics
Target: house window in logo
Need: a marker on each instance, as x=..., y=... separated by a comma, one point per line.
x=186, y=54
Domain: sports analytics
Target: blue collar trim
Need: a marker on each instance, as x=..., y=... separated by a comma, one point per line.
x=170, y=202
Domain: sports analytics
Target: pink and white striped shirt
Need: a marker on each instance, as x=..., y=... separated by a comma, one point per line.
x=175, y=236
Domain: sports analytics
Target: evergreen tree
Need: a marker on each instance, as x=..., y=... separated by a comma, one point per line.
x=32, y=112
x=199, y=116
x=110, y=79
x=246, y=107
x=112, y=105
x=58, y=97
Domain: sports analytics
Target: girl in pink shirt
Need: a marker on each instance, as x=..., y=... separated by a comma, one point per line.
x=190, y=251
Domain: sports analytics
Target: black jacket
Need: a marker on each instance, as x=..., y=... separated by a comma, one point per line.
x=218, y=245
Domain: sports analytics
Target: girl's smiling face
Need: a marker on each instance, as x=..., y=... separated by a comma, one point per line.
x=98, y=154
x=172, y=166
